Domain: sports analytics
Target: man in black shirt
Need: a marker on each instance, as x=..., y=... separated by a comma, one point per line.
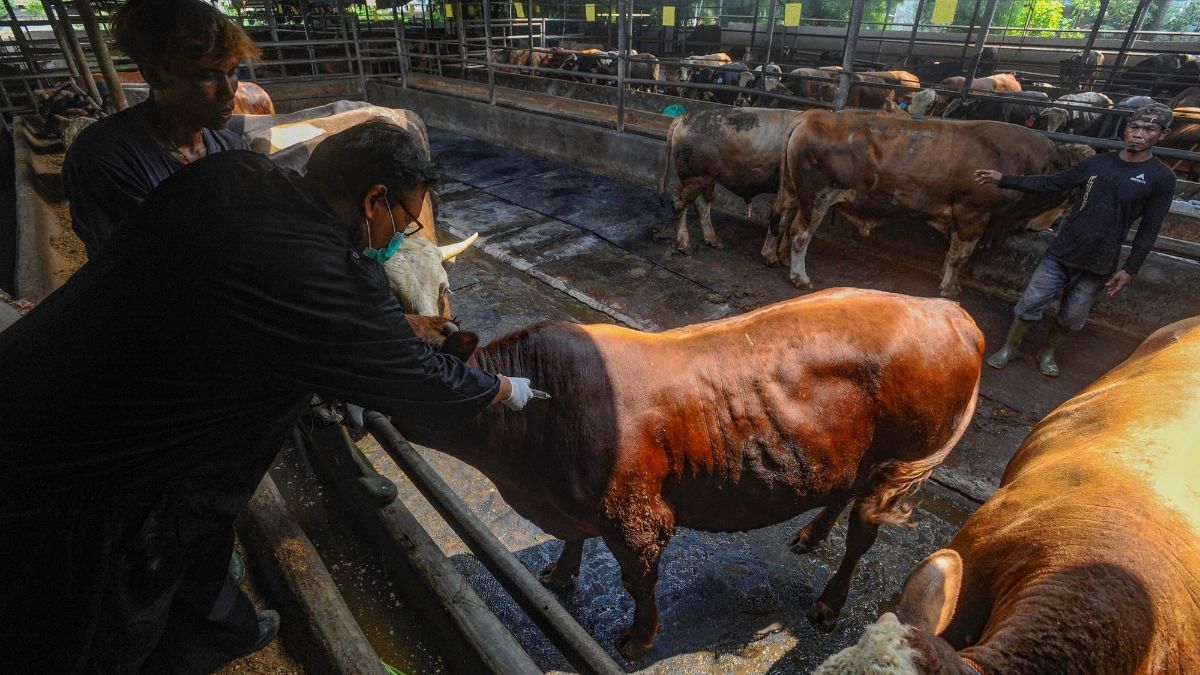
x=144, y=400
x=188, y=52
x=1083, y=260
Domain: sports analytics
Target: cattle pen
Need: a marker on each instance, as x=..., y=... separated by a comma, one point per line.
x=379, y=552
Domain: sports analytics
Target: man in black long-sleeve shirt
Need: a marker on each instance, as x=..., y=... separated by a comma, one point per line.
x=143, y=401
x=1083, y=259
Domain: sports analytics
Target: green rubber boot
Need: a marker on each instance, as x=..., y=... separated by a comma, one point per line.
x=1046, y=362
x=237, y=567
x=1016, y=333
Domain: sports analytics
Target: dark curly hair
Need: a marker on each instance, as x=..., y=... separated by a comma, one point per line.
x=168, y=33
x=374, y=152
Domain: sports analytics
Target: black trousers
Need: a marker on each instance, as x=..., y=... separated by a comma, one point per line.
x=103, y=580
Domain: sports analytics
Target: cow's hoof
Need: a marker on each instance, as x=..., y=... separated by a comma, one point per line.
x=800, y=282
x=632, y=649
x=799, y=546
x=770, y=259
x=821, y=617
x=685, y=250
x=715, y=243
x=550, y=579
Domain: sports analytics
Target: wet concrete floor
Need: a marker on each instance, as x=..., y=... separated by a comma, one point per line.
x=560, y=243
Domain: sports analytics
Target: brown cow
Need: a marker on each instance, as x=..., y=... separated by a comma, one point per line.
x=865, y=91
x=847, y=395
x=996, y=84
x=1184, y=135
x=876, y=169
x=738, y=149
x=1188, y=98
x=251, y=99
x=1086, y=559
x=807, y=82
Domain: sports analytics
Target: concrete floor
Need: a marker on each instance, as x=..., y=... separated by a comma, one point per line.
x=561, y=243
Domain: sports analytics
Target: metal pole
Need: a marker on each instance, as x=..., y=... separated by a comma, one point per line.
x=22, y=43
x=754, y=27
x=912, y=37
x=64, y=45
x=487, y=51
x=622, y=62
x=85, y=70
x=273, y=28
x=770, y=31
x=529, y=28
x=988, y=14
x=1091, y=40
x=846, y=76
x=970, y=30
x=462, y=37
x=1133, y=26
x=100, y=49
x=362, y=72
x=399, y=27
x=543, y=607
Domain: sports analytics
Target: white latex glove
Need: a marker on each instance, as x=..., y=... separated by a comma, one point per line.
x=521, y=393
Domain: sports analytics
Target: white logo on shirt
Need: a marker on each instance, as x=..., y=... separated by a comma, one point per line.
x=1140, y=178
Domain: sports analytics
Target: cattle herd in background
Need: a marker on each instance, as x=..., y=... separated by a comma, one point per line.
x=1170, y=78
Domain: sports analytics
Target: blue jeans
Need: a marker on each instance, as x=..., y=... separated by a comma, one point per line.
x=1079, y=289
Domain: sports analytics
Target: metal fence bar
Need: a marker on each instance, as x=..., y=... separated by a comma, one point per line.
x=100, y=50
x=847, y=74
x=488, y=56
x=984, y=27
x=622, y=61
x=560, y=627
x=1133, y=25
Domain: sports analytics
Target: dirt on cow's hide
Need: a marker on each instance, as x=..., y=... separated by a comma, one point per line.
x=65, y=243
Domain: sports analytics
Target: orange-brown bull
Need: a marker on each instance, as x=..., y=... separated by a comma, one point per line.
x=874, y=169
x=844, y=396
x=1085, y=561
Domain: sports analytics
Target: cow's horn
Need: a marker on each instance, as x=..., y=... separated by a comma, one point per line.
x=454, y=250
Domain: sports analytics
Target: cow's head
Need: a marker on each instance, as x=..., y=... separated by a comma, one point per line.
x=444, y=336
x=418, y=277
x=909, y=643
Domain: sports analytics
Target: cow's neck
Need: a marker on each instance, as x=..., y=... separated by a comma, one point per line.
x=1091, y=618
x=490, y=440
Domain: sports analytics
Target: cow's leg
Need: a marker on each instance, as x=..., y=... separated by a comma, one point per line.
x=861, y=535
x=704, y=208
x=560, y=574
x=956, y=257
x=638, y=548
x=689, y=189
x=804, y=228
x=783, y=211
x=816, y=530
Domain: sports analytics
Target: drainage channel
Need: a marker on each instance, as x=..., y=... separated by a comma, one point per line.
x=397, y=613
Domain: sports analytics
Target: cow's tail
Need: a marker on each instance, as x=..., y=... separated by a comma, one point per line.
x=662, y=181
x=891, y=484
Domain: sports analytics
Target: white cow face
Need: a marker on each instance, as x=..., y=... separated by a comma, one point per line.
x=418, y=277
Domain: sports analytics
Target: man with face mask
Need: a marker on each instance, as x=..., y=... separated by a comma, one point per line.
x=1082, y=261
x=145, y=399
x=188, y=53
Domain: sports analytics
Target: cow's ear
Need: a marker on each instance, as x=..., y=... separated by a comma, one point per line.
x=931, y=592
x=461, y=344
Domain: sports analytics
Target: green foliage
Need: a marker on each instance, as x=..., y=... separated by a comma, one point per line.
x=1184, y=18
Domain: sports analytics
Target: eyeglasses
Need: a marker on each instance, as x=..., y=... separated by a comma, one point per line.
x=414, y=223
